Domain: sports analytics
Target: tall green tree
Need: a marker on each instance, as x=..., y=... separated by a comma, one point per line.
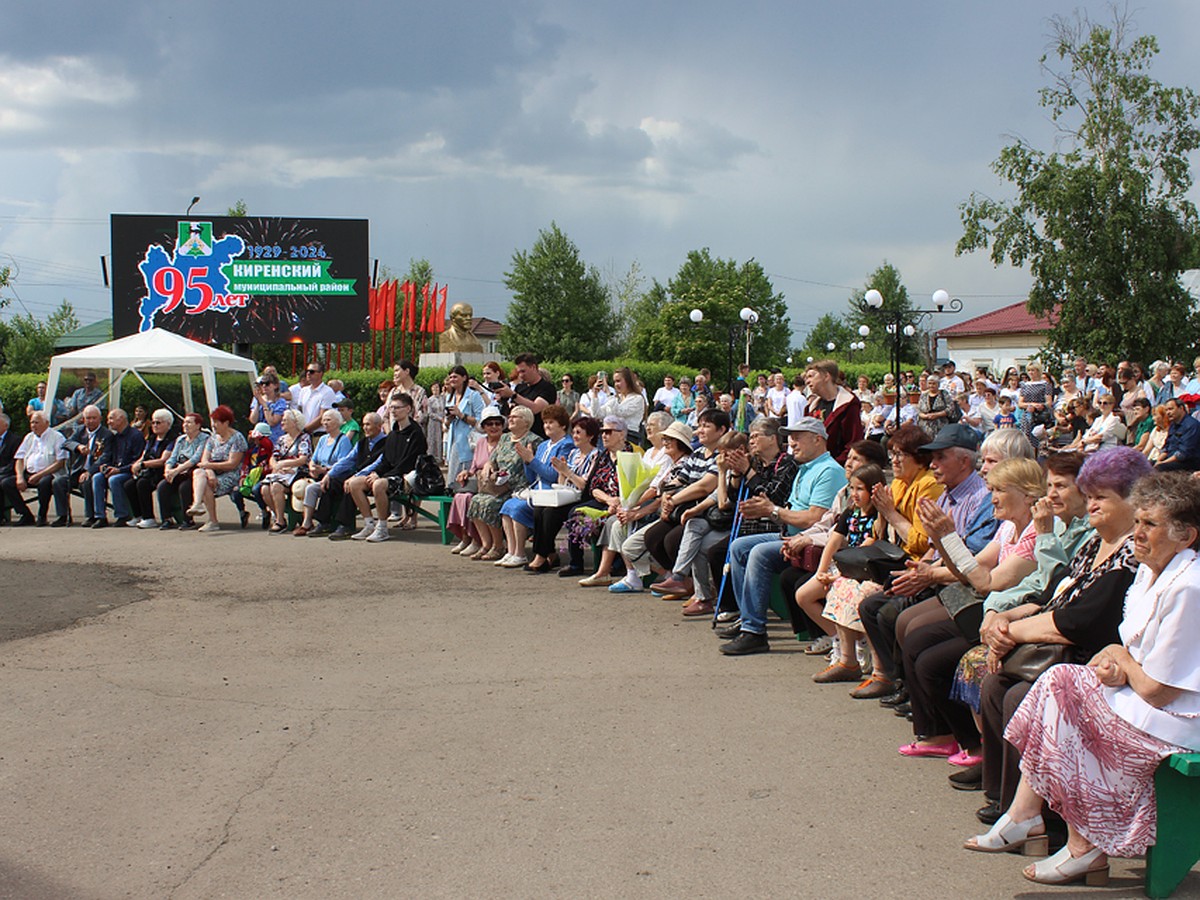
x=561, y=309
x=829, y=329
x=885, y=279
x=720, y=289
x=27, y=343
x=1104, y=224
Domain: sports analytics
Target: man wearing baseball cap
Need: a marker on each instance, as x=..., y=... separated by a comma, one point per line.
x=755, y=559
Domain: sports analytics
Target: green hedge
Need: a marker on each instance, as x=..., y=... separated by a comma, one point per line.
x=363, y=386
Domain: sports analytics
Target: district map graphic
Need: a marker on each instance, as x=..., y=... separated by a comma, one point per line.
x=241, y=279
x=191, y=275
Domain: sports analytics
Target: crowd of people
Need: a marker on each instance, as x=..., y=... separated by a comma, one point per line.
x=1021, y=586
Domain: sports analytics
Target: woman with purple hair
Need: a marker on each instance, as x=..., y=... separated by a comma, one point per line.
x=1081, y=609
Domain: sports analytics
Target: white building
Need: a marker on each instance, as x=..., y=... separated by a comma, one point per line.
x=1009, y=336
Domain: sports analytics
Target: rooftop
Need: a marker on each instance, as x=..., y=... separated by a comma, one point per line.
x=1011, y=319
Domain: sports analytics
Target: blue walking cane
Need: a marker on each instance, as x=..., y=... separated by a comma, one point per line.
x=733, y=534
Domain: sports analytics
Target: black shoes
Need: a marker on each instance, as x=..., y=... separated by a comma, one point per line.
x=745, y=643
x=341, y=533
x=902, y=709
x=989, y=813
x=90, y=522
x=570, y=572
x=968, y=779
x=891, y=701
x=60, y=522
x=24, y=522
x=730, y=631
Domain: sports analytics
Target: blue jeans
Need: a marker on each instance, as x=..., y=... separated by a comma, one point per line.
x=120, y=499
x=754, y=560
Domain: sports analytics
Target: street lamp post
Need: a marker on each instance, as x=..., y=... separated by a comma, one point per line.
x=749, y=318
x=901, y=323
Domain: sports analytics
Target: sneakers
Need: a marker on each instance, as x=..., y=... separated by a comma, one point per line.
x=135, y=522
x=745, y=643
x=460, y=547
x=820, y=646
x=209, y=528
x=147, y=523
x=379, y=534
x=366, y=532
x=514, y=562
x=196, y=509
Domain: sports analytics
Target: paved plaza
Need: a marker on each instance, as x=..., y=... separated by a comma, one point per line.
x=243, y=715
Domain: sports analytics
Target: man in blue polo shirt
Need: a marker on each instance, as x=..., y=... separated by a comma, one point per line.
x=756, y=558
x=1181, y=451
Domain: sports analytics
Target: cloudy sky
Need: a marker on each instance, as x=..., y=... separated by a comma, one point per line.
x=818, y=138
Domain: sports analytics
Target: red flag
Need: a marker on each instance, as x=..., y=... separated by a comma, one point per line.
x=441, y=317
x=424, y=307
x=389, y=306
x=373, y=309
x=411, y=314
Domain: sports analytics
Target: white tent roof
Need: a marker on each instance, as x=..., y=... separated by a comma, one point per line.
x=155, y=350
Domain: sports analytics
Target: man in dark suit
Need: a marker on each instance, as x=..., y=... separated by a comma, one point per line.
x=9, y=443
x=90, y=447
x=127, y=445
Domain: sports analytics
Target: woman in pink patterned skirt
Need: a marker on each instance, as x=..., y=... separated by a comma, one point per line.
x=1091, y=737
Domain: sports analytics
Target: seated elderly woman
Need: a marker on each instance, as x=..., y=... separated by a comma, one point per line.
x=573, y=471
x=601, y=495
x=175, y=489
x=1091, y=736
x=147, y=472
x=331, y=447
x=500, y=478
x=1081, y=610
x=624, y=534
x=465, y=481
x=291, y=455
x=931, y=652
x=219, y=469
x=516, y=515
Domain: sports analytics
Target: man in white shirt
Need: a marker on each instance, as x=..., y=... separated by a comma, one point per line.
x=666, y=395
x=315, y=397
x=797, y=403
x=950, y=382
x=40, y=455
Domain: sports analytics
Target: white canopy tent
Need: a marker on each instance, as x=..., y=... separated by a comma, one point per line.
x=155, y=351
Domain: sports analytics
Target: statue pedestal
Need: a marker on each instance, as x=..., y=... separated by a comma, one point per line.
x=450, y=359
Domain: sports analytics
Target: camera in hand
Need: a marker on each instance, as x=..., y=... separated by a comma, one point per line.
x=494, y=386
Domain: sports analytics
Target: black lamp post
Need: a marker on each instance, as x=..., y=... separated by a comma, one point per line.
x=748, y=318
x=903, y=323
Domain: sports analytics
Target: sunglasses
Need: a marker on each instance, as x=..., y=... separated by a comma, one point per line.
x=311, y=371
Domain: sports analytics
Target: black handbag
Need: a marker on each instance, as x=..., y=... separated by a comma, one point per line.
x=718, y=519
x=428, y=480
x=872, y=562
x=1028, y=661
x=965, y=606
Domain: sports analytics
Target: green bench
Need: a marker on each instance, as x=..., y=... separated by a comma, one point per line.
x=441, y=516
x=1177, y=845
